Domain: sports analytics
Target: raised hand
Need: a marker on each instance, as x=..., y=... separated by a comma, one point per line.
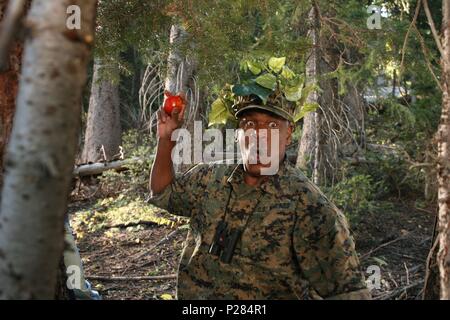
x=167, y=123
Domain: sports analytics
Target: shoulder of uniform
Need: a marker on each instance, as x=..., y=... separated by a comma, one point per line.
x=297, y=183
x=294, y=181
x=297, y=180
x=319, y=214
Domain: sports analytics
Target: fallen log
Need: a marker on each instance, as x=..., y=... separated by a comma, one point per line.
x=91, y=169
x=106, y=278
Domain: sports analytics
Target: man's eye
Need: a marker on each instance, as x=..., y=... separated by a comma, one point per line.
x=250, y=124
x=273, y=125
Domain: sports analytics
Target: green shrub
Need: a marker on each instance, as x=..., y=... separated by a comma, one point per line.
x=354, y=196
x=135, y=178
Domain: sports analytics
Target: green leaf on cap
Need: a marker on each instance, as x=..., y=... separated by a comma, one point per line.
x=307, y=90
x=267, y=80
x=252, y=88
x=262, y=93
x=304, y=109
x=241, y=90
x=287, y=73
x=293, y=93
x=219, y=113
x=275, y=64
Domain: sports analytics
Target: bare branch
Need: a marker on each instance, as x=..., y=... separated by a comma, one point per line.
x=147, y=278
x=413, y=23
x=424, y=50
x=433, y=28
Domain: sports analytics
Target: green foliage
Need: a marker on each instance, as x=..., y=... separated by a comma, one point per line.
x=401, y=113
x=143, y=25
x=354, y=195
x=135, y=179
x=268, y=79
x=219, y=113
x=390, y=173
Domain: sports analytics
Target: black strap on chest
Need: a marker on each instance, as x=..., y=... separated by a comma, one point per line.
x=225, y=240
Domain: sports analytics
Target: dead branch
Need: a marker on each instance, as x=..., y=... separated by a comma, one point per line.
x=106, y=278
x=428, y=267
x=164, y=239
x=99, y=167
x=428, y=63
x=398, y=291
x=413, y=23
x=132, y=224
x=433, y=28
x=368, y=254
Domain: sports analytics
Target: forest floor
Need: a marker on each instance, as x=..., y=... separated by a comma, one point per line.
x=122, y=237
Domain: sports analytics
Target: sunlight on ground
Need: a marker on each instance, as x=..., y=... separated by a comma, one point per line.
x=110, y=214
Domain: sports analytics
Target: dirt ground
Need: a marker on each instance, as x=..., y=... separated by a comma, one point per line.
x=397, y=241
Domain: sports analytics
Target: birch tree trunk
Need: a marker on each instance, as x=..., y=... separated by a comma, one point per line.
x=40, y=155
x=103, y=129
x=443, y=138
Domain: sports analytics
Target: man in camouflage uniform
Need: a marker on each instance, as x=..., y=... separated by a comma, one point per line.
x=282, y=239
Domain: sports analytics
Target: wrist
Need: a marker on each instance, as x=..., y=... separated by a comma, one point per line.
x=166, y=141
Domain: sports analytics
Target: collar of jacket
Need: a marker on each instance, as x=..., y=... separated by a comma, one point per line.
x=271, y=185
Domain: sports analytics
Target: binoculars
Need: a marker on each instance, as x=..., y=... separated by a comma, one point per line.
x=224, y=242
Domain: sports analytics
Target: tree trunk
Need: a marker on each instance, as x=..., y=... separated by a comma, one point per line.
x=443, y=138
x=312, y=148
x=103, y=129
x=9, y=82
x=307, y=144
x=328, y=134
x=181, y=70
x=40, y=155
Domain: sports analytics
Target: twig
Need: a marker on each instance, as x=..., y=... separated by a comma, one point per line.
x=167, y=237
x=413, y=22
x=132, y=224
x=106, y=278
x=407, y=257
x=425, y=210
x=428, y=267
x=407, y=273
x=428, y=63
x=366, y=255
x=433, y=28
x=393, y=293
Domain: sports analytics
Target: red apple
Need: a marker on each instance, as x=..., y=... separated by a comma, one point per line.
x=172, y=101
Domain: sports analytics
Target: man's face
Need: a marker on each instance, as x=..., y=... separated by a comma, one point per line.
x=263, y=138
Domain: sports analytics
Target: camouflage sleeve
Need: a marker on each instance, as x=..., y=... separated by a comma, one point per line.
x=326, y=253
x=181, y=196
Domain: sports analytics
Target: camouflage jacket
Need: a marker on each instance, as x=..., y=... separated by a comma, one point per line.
x=295, y=244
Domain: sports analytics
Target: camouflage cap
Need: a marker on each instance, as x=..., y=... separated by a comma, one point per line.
x=280, y=107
